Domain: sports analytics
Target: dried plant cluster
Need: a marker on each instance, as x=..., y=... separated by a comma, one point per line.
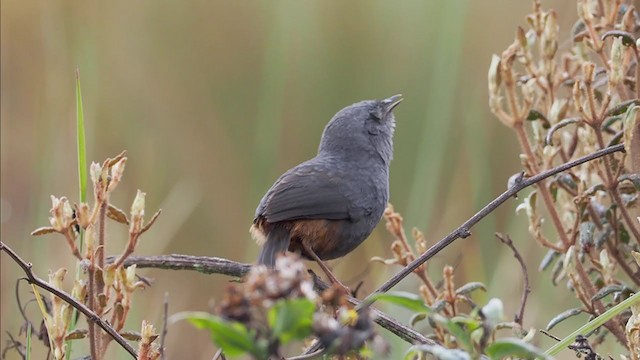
x=460, y=328
x=564, y=100
x=275, y=306
x=106, y=289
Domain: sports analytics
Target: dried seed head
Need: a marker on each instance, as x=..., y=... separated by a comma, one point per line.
x=550, y=35
x=347, y=316
x=79, y=291
x=398, y=252
x=616, y=62
x=607, y=266
x=137, y=213
x=494, y=76
x=521, y=36
x=145, y=348
x=95, y=171
x=577, y=97
x=58, y=352
x=91, y=240
x=61, y=214
x=588, y=69
x=530, y=91
x=117, y=170
x=234, y=305
x=83, y=215
x=589, y=8
x=56, y=278
x=137, y=208
x=421, y=243
x=493, y=311
x=569, y=261
x=628, y=20
x=558, y=110
x=148, y=331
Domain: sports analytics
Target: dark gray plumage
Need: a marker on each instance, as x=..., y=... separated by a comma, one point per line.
x=333, y=201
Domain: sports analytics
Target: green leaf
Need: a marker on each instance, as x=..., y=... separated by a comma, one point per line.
x=469, y=323
x=624, y=234
x=606, y=124
x=631, y=137
x=82, y=182
x=291, y=319
x=233, y=337
x=548, y=259
x=416, y=318
x=81, y=141
x=28, y=347
x=562, y=317
x=622, y=107
x=633, y=178
x=405, y=299
x=515, y=348
x=603, y=236
x=469, y=287
x=587, y=231
x=627, y=38
x=559, y=125
x=595, y=323
x=439, y=305
x=462, y=336
x=607, y=290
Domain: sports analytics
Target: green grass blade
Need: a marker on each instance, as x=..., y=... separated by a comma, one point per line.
x=82, y=146
x=595, y=323
x=28, y=349
x=82, y=182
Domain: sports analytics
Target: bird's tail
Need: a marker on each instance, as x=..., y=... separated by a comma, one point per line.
x=277, y=242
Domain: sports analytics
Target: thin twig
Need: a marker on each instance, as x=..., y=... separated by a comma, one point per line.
x=612, y=186
x=93, y=347
x=218, y=355
x=463, y=230
x=202, y=264
x=506, y=239
x=543, y=190
x=20, y=307
x=14, y=344
x=92, y=317
x=214, y=265
x=165, y=315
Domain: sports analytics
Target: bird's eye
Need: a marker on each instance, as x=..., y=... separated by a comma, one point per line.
x=376, y=114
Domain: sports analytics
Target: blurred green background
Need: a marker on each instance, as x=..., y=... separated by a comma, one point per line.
x=214, y=99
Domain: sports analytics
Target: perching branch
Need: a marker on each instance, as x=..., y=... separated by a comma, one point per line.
x=92, y=317
x=203, y=264
x=464, y=230
x=506, y=239
x=214, y=265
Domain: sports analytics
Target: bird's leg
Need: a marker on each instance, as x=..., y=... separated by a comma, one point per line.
x=323, y=266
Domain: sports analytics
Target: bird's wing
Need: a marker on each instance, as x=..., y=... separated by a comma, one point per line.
x=307, y=191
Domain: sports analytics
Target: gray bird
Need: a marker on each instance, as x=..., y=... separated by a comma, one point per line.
x=327, y=206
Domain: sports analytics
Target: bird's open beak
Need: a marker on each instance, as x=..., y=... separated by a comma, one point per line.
x=392, y=102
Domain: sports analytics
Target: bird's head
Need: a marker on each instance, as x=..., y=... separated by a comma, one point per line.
x=365, y=127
